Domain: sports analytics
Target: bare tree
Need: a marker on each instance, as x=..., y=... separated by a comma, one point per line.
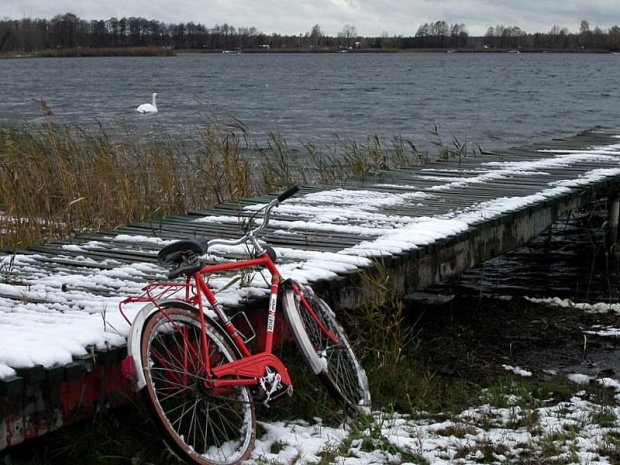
x=614, y=38
x=316, y=35
x=349, y=32
x=458, y=35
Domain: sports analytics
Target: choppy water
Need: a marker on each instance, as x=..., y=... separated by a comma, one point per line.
x=489, y=100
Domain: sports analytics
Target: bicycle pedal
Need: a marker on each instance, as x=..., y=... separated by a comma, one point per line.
x=272, y=388
x=279, y=397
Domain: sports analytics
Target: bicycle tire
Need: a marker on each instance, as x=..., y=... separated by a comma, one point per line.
x=335, y=365
x=199, y=426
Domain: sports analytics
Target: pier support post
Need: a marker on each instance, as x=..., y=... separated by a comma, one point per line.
x=612, y=221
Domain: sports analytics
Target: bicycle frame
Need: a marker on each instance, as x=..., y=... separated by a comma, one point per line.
x=250, y=368
x=201, y=371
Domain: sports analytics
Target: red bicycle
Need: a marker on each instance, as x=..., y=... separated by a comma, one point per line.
x=195, y=367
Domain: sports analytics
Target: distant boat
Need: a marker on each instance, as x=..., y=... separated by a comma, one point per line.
x=450, y=51
x=230, y=51
x=514, y=51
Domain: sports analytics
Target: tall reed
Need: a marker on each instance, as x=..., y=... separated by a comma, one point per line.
x=58, y=180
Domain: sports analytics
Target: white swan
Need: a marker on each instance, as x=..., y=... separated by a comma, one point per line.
x=149, y=107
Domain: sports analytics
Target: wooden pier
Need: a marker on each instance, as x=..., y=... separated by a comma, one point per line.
x=426, y=224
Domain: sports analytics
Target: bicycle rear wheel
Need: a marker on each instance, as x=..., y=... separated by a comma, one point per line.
x=201, y=426
x=312, y=322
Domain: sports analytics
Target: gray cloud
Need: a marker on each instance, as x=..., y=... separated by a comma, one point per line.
x=371, y=17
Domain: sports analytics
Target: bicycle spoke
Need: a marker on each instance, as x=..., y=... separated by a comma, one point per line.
x=324, y=343
x=212, y=429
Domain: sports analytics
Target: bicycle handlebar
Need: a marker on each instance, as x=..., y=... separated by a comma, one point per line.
x=254, y=232
x=285, y=195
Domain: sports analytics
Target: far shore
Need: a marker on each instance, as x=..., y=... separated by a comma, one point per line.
x=156, y=51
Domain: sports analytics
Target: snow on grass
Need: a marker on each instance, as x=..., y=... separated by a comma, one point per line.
x=298, y=440
x=517, y=371
x=575, y=431
x=600, y=307
x=579, y=378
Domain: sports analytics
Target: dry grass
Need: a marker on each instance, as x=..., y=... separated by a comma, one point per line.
x=58, y=180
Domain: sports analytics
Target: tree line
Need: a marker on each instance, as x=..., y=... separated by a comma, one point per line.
x=67, y=31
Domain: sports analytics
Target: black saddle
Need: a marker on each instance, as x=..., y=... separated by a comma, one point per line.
x=182, y=256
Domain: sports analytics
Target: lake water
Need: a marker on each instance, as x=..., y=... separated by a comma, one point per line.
x=489, y=100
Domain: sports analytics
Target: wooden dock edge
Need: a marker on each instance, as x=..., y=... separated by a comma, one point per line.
x=418, y=269
x=39, y=400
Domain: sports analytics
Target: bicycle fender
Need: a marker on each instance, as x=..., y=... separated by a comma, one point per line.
x=135, y=369
x=133, y=346
x=316, y=364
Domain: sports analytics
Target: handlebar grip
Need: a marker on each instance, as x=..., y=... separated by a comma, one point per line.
x=285, y=195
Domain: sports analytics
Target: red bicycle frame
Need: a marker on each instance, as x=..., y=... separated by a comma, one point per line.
x=250, y=367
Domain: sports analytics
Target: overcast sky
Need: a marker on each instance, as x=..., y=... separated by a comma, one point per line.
x=370, y=17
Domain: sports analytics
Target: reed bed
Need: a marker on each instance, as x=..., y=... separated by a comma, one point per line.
x=58, y=180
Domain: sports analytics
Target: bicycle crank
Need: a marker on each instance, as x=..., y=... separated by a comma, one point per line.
x=272, y=389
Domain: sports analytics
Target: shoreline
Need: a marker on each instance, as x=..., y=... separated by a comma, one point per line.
x=164, y=52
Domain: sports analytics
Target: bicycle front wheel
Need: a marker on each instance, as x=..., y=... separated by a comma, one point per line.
x=200, y=425
x=326, y=348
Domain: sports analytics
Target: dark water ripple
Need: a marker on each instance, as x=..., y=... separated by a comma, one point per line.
x=488, y=100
